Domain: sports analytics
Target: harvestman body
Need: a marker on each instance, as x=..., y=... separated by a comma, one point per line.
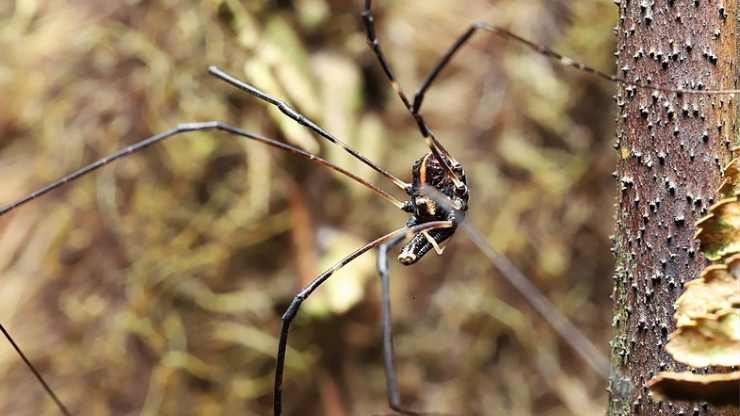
x=431, y=223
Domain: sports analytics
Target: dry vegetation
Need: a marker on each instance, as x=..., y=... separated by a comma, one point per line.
x=156, y=285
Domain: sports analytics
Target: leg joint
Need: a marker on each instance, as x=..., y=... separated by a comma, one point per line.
x=292, y=310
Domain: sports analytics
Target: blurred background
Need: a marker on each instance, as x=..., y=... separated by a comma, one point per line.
x=156, y=285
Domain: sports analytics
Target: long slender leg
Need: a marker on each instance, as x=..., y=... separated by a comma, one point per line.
x=394, y=397
x=182, y=128
x=36, y=373
x=303, y=120
x=499, y=31
x=543, y=50
x=434, y=145
x=295, y=305
x=191, y=127
x=444, y=60
x=414, y=106
x=565, y=328
x=566, y=61
x=414, y=109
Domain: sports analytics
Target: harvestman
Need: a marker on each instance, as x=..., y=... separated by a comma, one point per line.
x=431, y=223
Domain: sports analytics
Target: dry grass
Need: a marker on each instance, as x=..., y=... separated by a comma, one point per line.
x=156, y=285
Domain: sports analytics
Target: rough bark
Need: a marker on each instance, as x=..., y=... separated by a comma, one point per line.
x=671, y=148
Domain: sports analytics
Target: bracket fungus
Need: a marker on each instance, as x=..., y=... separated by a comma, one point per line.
x=708, y=318
x=708, y=311
x=718, y=389
x=719, y=231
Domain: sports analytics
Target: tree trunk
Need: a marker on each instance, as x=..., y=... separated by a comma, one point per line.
x=671, y=148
